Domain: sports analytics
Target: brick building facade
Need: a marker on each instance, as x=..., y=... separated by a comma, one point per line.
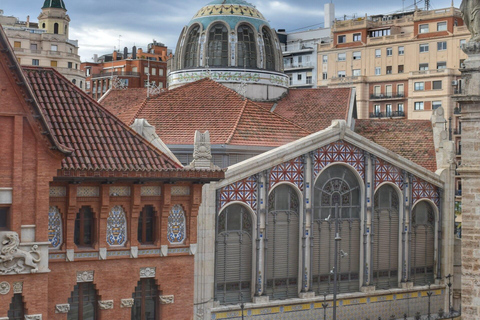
x=94, y=220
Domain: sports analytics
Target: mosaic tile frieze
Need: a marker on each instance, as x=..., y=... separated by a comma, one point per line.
x=180, y=191
x=116, y=227
x=58, y=191
x=339, y=151
x=176, y=225
x=290, y=171
x=424, y=190
x=119, y=191
x=55, y=230
x=88, y=191
x=243, y=191
x=151, y=191
x=385, y=172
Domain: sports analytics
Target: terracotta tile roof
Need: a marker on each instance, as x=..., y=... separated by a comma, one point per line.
x=411, y=139
x=314, y=109
x=207, y=105
x=101, y=142
x=124, y=103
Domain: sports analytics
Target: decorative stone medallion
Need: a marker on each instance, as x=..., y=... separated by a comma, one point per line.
x=147, y=272
x=105, y=305
x=84, y=276
x=127, y=303
x=167, y=299
x=62, y=308
x=18, y=287
x=176, y=225
x=4, y=287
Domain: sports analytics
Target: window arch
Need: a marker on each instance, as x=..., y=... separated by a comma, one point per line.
x=282, y=243
x=385, y=234
x=234, y=255
x=83, y=302
x=55, y=227
x=336, y=186
x=191, y=48
x=247, y=47
x=117, y=227
x=84, y=227
x=17, y=308
x=422, y=246
x=269, y=51
x=55, y=28
x=145, y=297
x=146, y=226
x=218, y=46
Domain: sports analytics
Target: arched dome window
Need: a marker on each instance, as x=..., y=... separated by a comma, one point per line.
x=191, y=48
x=269, y=52
x=218, y=46
x=55, y=28
x=247, y=51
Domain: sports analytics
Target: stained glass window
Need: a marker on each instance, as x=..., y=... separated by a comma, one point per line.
x=247, y=50
x=218, y=46
x=191, y=49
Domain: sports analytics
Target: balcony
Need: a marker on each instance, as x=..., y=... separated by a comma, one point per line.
x=293, y=66
x=393, y=114
x=298, y=47
x=387, y=96
x=346, y=80
x=117, y=73
x=457, y=110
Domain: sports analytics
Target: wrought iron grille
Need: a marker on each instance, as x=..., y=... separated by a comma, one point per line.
x=422, y=245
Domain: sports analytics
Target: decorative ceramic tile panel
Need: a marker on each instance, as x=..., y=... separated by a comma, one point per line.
x=178, y=250
x=290, y=171
x=88, y=191
x=151, y=191
x=385, y=172
x=339, y=151
x=244, y=191
x=58, y=191
x=424, y=190
x=86, y=255
x=118, y=253
x=120, y=191
x=149, y=251
x=180, y=191
x=116, y=227
x=55, y=234
x=176, y=225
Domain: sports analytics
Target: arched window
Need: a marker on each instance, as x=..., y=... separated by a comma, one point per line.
x=282, y=243
x=234, y=255
x=337, y=187
x=247, y=47
x=385, y=235
x=81, y=84
x=218, y=46
x=116, y=227
x=43, y=25
x=146, y=226
x=74, y=81
x=176, y=230
x=55, y=28
x=84, y=226
x=83, y=302
x=191, y=49
x=17, y=308
x=269, y=51
x=422, y=246
x=55, y=230
x=145, y=306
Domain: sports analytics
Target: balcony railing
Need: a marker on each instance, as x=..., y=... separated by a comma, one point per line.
x=117, y=73
x=457, y=110
x=298, y=65
x=298, y=47
x=387, y=96
x=391, y=114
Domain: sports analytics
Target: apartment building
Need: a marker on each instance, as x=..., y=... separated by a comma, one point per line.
x=402, y=65
x=46, y=43
x=137, y=69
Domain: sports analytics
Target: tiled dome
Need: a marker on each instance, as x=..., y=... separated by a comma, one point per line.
x=54, y=4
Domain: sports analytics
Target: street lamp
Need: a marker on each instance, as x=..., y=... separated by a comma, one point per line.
x=429, y=294
x=242, y=305
x=449, y=284
x=325, y=306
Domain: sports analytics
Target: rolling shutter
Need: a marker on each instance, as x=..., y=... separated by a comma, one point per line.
x=385, y=249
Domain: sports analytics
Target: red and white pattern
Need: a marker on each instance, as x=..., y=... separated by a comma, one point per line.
x=385, y=172
x=291, y=171
x=424, y=190
x=244, y=191
x=340, y=151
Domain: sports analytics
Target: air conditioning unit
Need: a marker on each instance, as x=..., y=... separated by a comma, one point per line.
x=454, y=83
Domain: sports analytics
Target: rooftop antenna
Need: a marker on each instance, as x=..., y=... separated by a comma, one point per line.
x=427, y=5
x=403, y=5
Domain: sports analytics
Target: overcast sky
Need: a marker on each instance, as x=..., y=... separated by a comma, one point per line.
x=99, y=24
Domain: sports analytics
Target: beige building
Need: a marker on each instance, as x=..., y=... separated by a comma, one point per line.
x=46, y=43
x=402, y=65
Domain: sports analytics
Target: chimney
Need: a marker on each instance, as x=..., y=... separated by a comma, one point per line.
x=95, y=58
x=134, y=52
x=329, y=15
x=28, y=21
x=114, y=56
x=125, y=53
